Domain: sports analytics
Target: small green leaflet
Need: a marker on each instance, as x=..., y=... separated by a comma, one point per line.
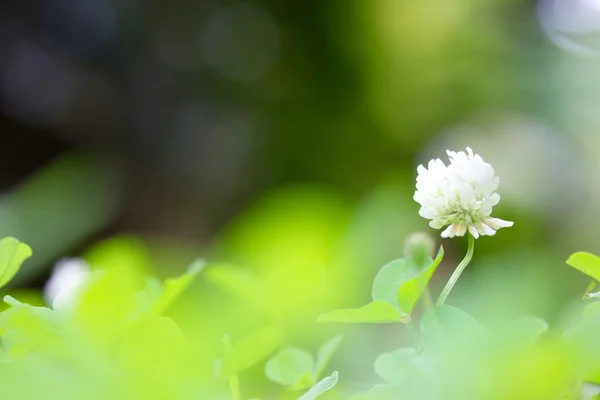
x=587, y=263
x=173, y=287
x=321, y=387
x=411, y=290
x=296, y=369
x=12, y=255
x=325, y=353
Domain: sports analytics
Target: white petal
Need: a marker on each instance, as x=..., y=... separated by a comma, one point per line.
x=435, y=224
x=473, y=230
x=494, y=199
x=448, y=232
x=497, y=223
x=485, y=230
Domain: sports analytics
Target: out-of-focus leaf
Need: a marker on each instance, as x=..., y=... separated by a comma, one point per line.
x=12, y=255
x=239, y=281
x=173, y=287
x=291, y=367
x=382, y=392
x=411, y=290
x=451, y=327
x=124, y=252
x=587, y=263
x=395, y=367
x=582, y=338
x=156, y=348
x=325, y=353
x=107, y=305
x=251, y=349
x=59, y=206
x=324, y=385
x=24, y=328
x=526, y=331
x=377, y=312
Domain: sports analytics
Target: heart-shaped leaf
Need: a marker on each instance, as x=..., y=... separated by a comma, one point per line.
x=395, y=367
x=451, y=327
x=377, y=312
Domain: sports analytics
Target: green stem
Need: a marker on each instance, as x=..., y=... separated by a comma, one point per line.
x=461, y=267
x=233, y=380
x=413, y=334
x=428, y=300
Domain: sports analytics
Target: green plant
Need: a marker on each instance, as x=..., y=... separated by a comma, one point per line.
x=114, y=334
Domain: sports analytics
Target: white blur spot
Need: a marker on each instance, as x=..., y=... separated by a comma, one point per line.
x=572, y=25
x=68, y=280
x=36, y=86
x=241, y=42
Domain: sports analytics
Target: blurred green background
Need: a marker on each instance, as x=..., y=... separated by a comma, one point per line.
x=283, y=138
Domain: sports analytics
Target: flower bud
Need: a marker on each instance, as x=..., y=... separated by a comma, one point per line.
x=419, y=248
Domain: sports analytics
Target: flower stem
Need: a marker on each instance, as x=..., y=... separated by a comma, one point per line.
x=428, y=300
x=233, y=380
x=461, y=267
x=414, y=338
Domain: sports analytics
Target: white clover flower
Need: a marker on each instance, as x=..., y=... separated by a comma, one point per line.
x=460, y=195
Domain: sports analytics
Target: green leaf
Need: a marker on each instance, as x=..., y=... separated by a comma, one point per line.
x=587, y=263
x=251, y=349
x=377, y=312
x=12, y=255
x=289, y=367
x=25, y=328
x=173, y=287
x=411, y=290
x=395, y=367
x=451, y=327
x=241, y=282
x=402, y=282
x=325, y=353
x=324, y=385
x=527, y=330
x=390, y=277
x=154, y=347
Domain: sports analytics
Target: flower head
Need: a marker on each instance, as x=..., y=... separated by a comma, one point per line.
x=460, y=195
